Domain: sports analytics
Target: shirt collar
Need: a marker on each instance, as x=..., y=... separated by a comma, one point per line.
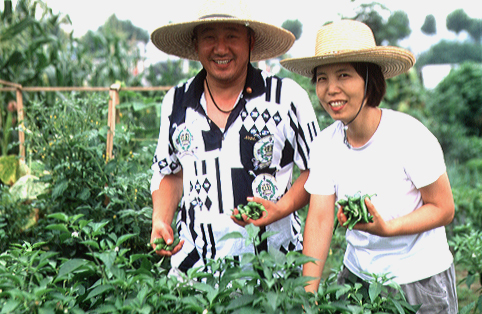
x=254, y=87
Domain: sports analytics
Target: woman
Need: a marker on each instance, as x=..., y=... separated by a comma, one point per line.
x=376, y=151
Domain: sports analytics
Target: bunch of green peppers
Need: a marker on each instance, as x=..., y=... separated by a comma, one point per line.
x=253, y=210
x=355, y=210
x=161, y=244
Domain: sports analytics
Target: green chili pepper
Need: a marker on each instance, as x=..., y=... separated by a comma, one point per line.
x=159, y=241
x=364, y=207
x=355, y=210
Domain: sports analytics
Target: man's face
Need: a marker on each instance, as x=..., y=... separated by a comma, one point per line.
x=223, y=49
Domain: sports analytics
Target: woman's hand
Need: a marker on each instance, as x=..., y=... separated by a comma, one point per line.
x=378, y=227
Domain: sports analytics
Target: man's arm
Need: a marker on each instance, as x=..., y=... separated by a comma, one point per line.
x=165, y=201
x=294, y=199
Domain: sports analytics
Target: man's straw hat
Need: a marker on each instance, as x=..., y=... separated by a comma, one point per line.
x=351, y=41
x=177, y=39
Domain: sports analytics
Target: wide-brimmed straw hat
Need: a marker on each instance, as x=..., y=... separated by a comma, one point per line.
x=351, y=41
x=177, y=38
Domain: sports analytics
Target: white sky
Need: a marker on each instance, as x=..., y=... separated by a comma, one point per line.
x=150, y=14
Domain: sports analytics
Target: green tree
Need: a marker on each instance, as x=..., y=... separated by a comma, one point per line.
x=293, y=26
x=125, y=29
x=368, y=14
x=450, y=52
x=396, y=28
x=429, y=27
x=458, y=21
x=475, y=30
x=458, y=97
x=455, y=115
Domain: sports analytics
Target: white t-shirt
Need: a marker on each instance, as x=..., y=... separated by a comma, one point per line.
x=401, y=157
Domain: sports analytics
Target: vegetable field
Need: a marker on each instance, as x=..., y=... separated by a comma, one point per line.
x=75, y=223
x=75, y=230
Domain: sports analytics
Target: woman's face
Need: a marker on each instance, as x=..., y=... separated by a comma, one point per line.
x=340, y=90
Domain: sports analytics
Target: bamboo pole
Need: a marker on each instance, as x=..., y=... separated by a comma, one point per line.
x=111, y=119
x=21, y=123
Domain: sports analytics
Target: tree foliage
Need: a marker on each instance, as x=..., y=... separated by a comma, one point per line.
x=293, y=26
x=125, y=29
x=456, y=113
x=395, y=28
x=450, y=52
x=475, y=30
x=458, y=21
x=429, y=26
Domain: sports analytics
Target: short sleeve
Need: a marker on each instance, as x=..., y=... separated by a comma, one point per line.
x=424, y=162
x=165, y=161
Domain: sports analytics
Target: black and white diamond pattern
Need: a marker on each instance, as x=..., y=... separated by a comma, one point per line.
x=257, y=126
x=202, y=199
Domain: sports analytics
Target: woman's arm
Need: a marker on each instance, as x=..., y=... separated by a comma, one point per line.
x=437, y=210
x=317, y=236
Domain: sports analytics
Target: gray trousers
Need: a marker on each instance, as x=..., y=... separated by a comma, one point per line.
x=437, y=294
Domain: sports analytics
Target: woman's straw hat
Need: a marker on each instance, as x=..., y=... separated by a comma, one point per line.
x=351, y=41
x=177, y=39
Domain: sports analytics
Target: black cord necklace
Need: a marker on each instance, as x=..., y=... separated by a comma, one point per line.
x=212, y=98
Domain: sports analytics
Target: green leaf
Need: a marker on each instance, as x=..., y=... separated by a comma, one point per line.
x=194, y=303
x=124, y=238
x=91, y=243
x=70, y=266
x=99, y=290
x=252, y=231
x=240, y=302
x=84, y=195
x=59, y=227
x=10, y=306
x=232, y=235
x=268, y=234
x=106, y=309
x=374, y=291
x=398, y=306
x=60, y=188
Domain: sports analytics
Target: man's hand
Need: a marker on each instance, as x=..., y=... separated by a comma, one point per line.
x=161, y=230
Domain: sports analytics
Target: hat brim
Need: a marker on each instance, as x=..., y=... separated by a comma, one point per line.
x=177, y=38
x=392, y=60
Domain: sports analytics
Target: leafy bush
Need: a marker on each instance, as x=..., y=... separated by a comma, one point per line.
x=34, y=278
x=458, y=97
x=467, y=244
x=70, y=142
x=89, y=251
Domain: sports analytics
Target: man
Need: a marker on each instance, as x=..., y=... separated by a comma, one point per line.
x=231, y=134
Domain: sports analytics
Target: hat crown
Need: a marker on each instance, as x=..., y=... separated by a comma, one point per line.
x=213, y=9
x=343, y=36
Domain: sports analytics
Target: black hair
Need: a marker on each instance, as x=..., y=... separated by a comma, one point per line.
x=377, y=86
